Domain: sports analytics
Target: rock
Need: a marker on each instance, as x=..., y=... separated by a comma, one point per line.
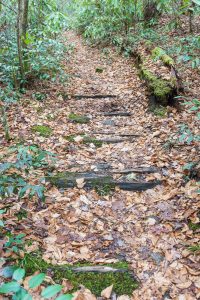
x=157, y=257
x=108, y=123
x=123, y=297
x=106, y=293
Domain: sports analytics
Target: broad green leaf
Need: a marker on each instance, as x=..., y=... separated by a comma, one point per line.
x=36, y=280
x=51, y=291
x=196, y=2
x=65, y=297
x=18, y=274
x=22, y=295
x=1, y=223
x=7, y=272
x=9, y=287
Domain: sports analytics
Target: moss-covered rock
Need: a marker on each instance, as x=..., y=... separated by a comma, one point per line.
x=124, y=282
x=43, y=130
x=78, y=118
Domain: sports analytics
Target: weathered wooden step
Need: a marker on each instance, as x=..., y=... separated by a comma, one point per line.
x=140, y=170
x=116, y=114
x=115, y=133
x=84, y=97
x=92, y=180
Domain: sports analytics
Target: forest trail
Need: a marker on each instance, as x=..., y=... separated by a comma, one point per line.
x=144, y=228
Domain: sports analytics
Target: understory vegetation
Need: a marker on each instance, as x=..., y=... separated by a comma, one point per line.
x=34, y=54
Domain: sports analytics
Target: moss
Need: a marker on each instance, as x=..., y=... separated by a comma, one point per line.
x=124, y=283
x=78, y=118
x=86, y=140
x=159, y=53
x=102, y=185
x=89, y=140
x=44, y=131
x=195, y=248
x=167, y=60
x=159, y=111
x=194, y=226
x=159, y=87
x=99, y=70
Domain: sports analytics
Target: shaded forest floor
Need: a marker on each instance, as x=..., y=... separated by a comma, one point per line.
x=150, y=229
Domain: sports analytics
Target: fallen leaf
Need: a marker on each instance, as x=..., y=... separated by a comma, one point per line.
x=106, y=293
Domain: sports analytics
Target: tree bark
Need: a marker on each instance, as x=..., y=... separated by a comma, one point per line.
x=19, y=39
x=24, y=22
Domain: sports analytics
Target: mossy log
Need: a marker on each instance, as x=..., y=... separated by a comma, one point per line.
x=97, y=181
x=159, y=53
x=162, y=91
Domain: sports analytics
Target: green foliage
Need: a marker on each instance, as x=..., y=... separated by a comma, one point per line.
x=195, y=248
x=159, y=111
x=15, y=288
x=27, y=157
x=42, y=53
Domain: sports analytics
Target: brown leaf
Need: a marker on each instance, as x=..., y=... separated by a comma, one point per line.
x=106, y=293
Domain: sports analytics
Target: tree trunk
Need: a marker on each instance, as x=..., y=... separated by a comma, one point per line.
x=24, y=22
x=19, y=39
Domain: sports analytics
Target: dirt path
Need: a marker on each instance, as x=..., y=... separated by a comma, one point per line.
x=147, y=229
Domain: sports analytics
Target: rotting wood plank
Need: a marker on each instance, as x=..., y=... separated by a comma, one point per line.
x=117, y=134
x=79, y=97
x=114, y=140
x=83, y=97
x=139, y=170
x=95, y=180
x=116, y=114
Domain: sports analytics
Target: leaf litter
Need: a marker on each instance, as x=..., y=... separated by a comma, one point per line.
x=148, y=229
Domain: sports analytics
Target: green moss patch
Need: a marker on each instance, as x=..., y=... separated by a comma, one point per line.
x=160, y=88
x=86, y=140
x=99, y=70
x=78, y=118
x=159, y=53
x=124, y=282
x=194, y=226
x=103, y=184
x=159, y=111
x=44, y=131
